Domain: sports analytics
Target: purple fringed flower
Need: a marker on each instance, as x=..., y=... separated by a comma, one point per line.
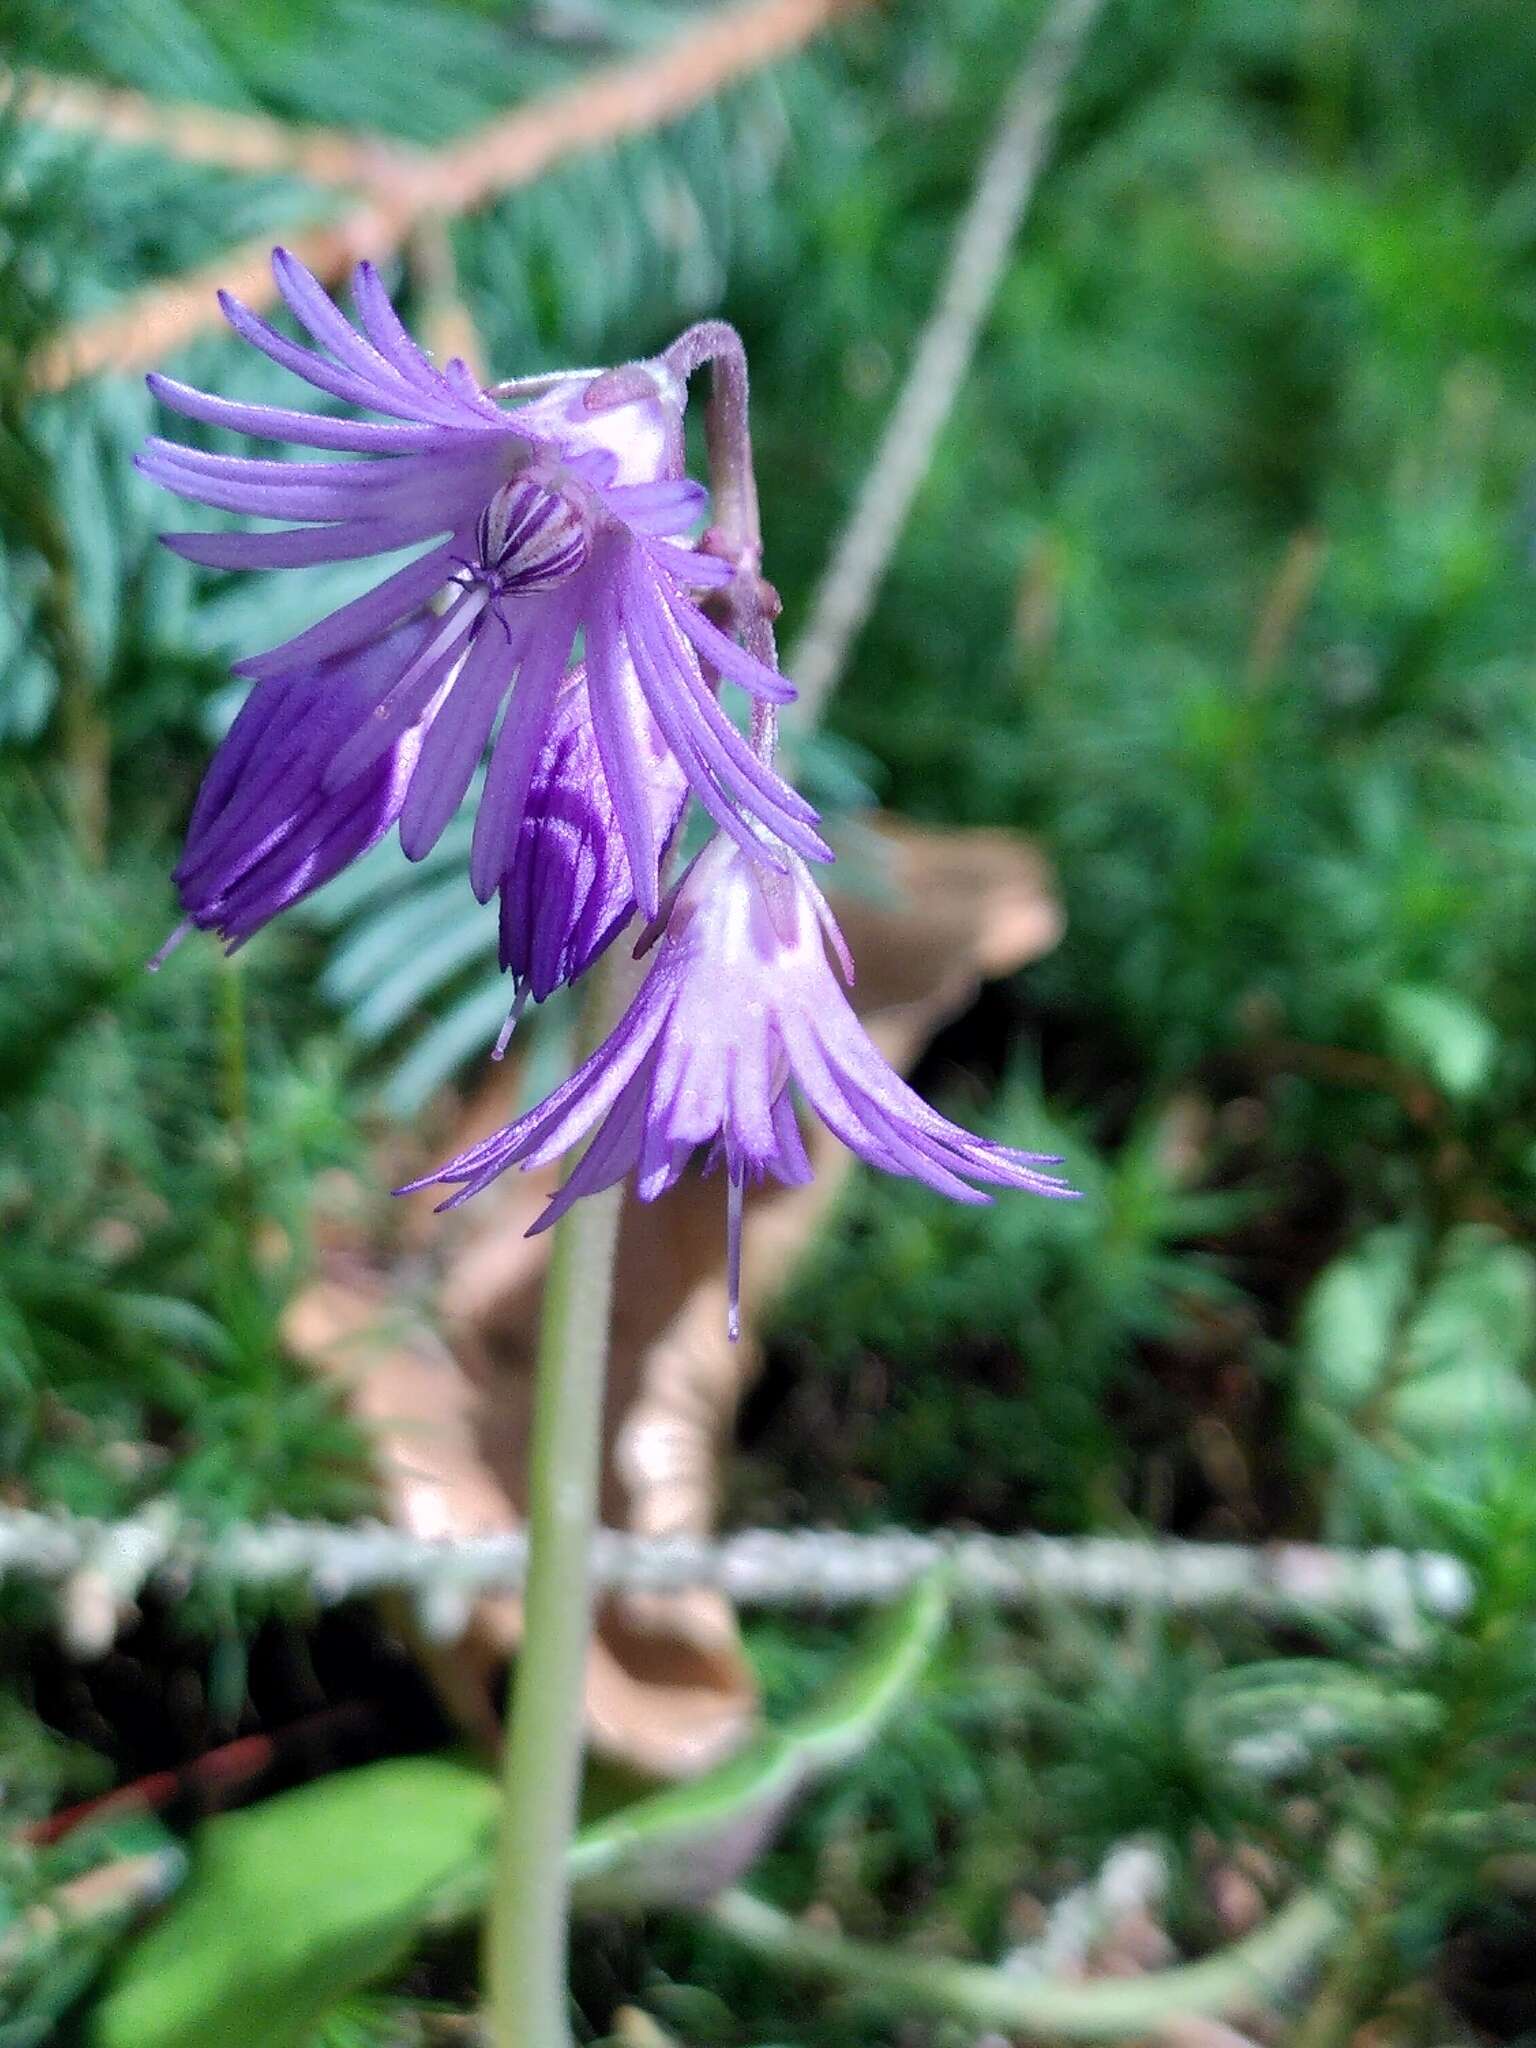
x=741, y=1000
x=569, y=890
x=566, y=515
x=265, y=829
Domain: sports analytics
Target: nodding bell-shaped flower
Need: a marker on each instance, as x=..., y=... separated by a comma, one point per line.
x=740, y=1001
x=568, y=514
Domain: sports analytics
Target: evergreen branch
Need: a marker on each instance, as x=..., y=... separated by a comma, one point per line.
x=400, y=190
x=151, y=324
x=624, y=99
x=254, y=143
x=85, y=737
x=999, y=201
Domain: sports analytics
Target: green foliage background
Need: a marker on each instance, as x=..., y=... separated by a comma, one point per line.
x=1222, y=587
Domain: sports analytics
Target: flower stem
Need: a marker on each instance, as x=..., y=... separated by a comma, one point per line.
x=527, y=1933
x=241, y=1202
x=753, y=604
x=84, y=740
x=732, y=479
x=1235, y=1979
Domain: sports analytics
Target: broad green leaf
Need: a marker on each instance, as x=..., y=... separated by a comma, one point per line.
x=1470, y=1348
x=296, y=1903
x=1443, y=1036
x=1418, y=1374
x=1353, y=1318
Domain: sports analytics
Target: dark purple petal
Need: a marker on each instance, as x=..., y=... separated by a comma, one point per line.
x=256, y=718
x=569, y=888
x=264, y=830
x=335, y=833
x=304, y=716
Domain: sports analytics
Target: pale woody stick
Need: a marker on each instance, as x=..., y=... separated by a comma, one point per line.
x=998, y=204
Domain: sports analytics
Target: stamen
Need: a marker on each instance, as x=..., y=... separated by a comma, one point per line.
x=154, y=965
x=514, y=1018
x=457, y=622
x=530, y=387
x=733, y=1207
x=651, y=932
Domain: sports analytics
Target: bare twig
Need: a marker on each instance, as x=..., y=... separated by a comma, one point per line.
x=1289, y=594
x=110, y=1892
x=201, y=135
x=447, y=326
x=1003, y=190
x=400, y=190
x=1395, y=1591
x=629, y=98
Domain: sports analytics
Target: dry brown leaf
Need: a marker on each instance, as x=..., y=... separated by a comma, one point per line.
x=445, y=1398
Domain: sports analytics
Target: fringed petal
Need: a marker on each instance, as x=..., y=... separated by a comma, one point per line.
x=455, y=743
x=731, y=659
x=388, y=333
x=301, y=547
x=315, y=310
x=388, y=397
x=611, y=699
x=610, y=1156
x=309, y=429
x=365, y=618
